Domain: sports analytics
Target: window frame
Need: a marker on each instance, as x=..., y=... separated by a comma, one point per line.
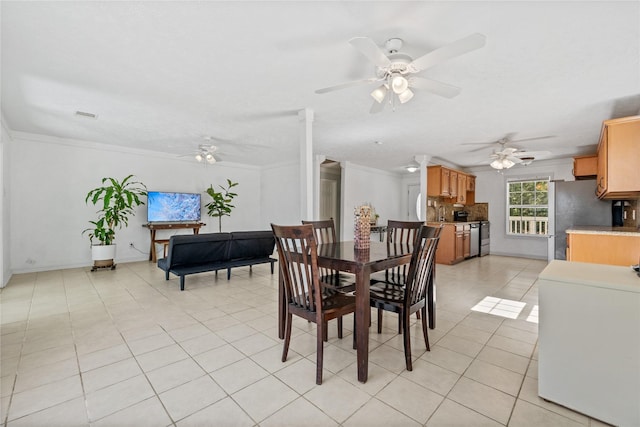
x=509, y=206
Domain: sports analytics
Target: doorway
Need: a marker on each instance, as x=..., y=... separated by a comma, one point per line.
x=330, y=184
x=413, y=202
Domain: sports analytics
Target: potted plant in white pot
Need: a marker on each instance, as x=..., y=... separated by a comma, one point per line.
x=116, y=200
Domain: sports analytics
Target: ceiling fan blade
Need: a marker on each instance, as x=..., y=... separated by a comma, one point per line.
x=514, y=159
x=531, y=153
x=433, y=86
x=379, y=106
x=348, y=84
x=532, y=139
x=368, y=48
x=457, y=48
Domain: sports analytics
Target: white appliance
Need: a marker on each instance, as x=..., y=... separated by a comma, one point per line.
x=589, y=340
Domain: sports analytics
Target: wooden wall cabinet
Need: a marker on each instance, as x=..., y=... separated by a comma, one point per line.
x=585, y=167
x=462, y=189
x=456, y=186
x=618, y=169
x=453, y=184
x=471, y=183
x=438, y=181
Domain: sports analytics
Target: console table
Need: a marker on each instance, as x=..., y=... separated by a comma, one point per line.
x=153, y=227
x=380, y=229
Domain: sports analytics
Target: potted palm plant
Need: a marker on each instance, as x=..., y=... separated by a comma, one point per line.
x=221, y=204
x=116, y=200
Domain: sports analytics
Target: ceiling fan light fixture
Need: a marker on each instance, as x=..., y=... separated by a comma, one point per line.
x=210, y=159
x=405, y=96
x=379, y=94
x=399, y=84
x=411, y=168
x=199, y=157
x=502, y=163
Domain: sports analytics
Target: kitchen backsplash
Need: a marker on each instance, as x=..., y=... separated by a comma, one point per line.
x=436, y=206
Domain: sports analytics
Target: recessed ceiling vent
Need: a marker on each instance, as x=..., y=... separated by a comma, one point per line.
x=87, y=115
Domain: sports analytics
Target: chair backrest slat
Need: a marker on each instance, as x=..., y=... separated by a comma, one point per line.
x=325, y=232
x=421, y=265
x=298, y=255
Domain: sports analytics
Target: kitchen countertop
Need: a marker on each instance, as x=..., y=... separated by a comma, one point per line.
x=588, y=274
x=599, y=229
x=452, y=222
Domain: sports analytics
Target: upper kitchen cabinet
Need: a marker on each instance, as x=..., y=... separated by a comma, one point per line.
x=585, y=167
x=454, y=185
x=618, y=171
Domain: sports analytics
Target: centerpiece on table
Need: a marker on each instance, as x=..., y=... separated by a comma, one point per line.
x=362, y=227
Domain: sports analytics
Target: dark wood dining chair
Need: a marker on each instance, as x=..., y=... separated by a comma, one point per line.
x=304, y=293
x=325, y=232
x=401, y=236
x=411, y=298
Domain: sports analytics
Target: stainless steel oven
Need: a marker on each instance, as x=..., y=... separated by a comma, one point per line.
x=484, y=238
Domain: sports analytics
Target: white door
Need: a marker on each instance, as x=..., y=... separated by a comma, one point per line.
x=328, y=199
x=413, y=200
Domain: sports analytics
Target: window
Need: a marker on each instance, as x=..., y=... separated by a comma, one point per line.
x=528, y=207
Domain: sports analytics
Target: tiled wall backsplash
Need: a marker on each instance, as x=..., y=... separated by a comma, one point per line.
x=436, y=206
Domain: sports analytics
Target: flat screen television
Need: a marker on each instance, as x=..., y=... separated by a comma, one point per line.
x=173, y=207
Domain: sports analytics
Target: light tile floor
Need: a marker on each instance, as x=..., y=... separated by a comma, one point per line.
x=127, y=348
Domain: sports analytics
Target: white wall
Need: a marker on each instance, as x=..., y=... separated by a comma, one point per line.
x=51, y=177
x=280, y=195
x=383, y=190
x=491, y=188
x=5, y=230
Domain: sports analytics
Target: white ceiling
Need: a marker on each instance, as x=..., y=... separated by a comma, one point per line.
x=162, y=75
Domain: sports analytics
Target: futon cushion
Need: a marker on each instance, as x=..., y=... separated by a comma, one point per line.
x=251, y=244
x=185, y=250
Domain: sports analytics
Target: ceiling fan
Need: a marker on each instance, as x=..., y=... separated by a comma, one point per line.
x=507, y=157
x=395, y=71
x=204, y=153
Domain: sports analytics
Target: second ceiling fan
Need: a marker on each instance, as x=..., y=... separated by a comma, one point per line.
x=395, y=71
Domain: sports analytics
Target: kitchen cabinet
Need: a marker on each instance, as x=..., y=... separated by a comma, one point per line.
x=455, y=243
x=438, y=181
x=604, y=245
x=618, y=168
x=456, y=186
x=453, y=184
x=462, y=189
x=471, y=183
x=585, y=167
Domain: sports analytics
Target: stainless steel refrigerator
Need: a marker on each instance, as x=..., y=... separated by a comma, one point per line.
x=576, y=204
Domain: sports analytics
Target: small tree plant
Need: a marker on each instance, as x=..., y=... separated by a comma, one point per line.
x=221, y=204
x=116, y=200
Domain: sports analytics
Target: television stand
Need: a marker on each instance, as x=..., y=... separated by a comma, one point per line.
x=153, y=227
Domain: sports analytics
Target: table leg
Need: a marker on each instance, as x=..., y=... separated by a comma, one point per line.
x=152, y=248
x=363, y=312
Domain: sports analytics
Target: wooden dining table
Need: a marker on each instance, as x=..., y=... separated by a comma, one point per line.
x=343, y=256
